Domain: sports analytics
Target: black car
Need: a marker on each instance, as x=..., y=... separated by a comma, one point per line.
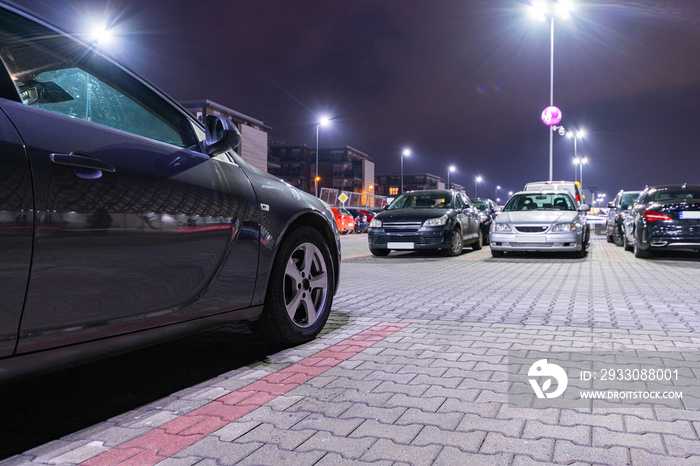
x=124, y=221
x=664, y=217
x=488, y=211
x=361, y=223
x=618, y=209
x=423, y=220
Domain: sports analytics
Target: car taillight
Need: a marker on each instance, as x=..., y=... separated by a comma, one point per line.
x=577, y=198
x=652, y=216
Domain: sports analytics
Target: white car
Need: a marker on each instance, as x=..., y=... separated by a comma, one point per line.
x=541, y=221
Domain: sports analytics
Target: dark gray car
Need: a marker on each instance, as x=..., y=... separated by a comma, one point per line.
x=618, y=209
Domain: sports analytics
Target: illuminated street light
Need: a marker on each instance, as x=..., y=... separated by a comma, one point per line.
x=405, y=153
x=497, y=188
x=476, y=183
x=323, y=121
x=541, y=9
x=451, y=168
x=576, y=134
x=101, y=35
x=580, y=161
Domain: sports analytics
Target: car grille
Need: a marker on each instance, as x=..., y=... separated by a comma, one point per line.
x=402, y=226
x=535, y=229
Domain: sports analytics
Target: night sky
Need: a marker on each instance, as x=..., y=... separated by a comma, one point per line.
x=459, y=82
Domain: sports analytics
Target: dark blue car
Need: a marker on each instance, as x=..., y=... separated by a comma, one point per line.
x=124, y=220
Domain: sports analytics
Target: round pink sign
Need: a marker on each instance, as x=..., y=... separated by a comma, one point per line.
x=551, y=116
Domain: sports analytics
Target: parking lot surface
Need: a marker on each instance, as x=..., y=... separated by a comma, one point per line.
x=412, y=368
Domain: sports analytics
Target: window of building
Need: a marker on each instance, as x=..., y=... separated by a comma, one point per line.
x=393, y=191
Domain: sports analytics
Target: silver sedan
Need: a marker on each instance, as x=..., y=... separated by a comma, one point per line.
x=541, y=221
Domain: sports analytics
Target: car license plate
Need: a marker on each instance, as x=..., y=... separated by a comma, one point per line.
x=685, y=214
x=530, y=239
x=399, y=245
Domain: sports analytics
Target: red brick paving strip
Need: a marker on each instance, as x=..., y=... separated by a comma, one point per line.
x=178, y=434
x=612, y=251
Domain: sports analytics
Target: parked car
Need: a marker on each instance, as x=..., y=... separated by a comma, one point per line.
x=443, y=220
x=344, y=220
x=488, y=210
x=125, y=221
x=361, y=222
x=370, y=213
x=664, y=217
x=618, y=209
x=574, y=187
x=541, y=221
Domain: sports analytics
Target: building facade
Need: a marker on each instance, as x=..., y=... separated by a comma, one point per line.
x=254, y=133
x=343, y=168
x=388, y=185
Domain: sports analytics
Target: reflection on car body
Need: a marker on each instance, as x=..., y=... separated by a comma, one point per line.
x=618, y=209
x=125, y=221
x=540, y=221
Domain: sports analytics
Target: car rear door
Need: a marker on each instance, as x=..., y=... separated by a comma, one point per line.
x=16, y=230
x=133, y=222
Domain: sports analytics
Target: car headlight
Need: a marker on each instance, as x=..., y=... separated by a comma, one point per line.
x=483, y=217
x=436, y=222
x=501, y=227
x=564, y=227
x=375, y=223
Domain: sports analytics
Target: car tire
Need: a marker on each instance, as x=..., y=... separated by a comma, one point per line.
x=582, y=253
x=487, y=237
x=300, y=291
x=456, y=244
x=497, y=253
x=639, y=252
x=479, y=243
x=617, y=236
x=609, y=238
x=379, y=252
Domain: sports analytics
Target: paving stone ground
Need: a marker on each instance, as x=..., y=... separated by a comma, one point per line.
x=432, y=389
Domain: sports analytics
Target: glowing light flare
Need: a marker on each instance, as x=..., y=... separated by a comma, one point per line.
x=452, y=168
x=541, y=9
x=101, y=35
x=406, y=152
x=324, y=121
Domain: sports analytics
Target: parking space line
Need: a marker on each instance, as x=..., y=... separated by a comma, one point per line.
x=179, y=433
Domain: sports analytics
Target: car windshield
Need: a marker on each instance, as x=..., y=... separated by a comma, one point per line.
x=481, y=205
x=674, y=194
x=418, y=200
x=627, y=199
x=553, y=201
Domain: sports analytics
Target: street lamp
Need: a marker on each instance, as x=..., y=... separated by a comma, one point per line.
x=576, y=135
x=580, y=161
x=542, y=9
x=405, y=153
x=497, y=188
x=476, y=182
x=451, y=168
x=323, y=121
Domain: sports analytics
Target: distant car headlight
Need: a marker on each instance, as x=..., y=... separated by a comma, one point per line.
x=564, y=227
x=436, y=222
x=375, y=223
x=501, y=227
x=483, y=217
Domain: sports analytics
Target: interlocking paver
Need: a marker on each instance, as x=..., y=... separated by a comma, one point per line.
x=348, y=448
x=385, y=449
x=498, y=443
x=567, y=452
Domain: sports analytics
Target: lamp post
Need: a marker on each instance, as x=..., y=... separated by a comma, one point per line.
x=476, y=183
x=576, y=135
x=580, y=161
x=542, y=9
x=323, y=121
x=497, y=188
x=451, y=168
x=404, y=153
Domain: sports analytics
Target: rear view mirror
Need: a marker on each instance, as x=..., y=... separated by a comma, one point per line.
x=611, y=205
x=584, y=208
x=34, y=92
x=221, y=135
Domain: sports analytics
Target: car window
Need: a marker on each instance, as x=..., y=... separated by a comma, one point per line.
x=58, y=74
x=627, y=199
x=533, y=201
x=481, y=205
x=674, y=194
x=423, y=200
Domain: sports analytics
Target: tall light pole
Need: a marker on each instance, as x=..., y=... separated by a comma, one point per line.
x=323, y=121
x=497, y=188
x=580, y=161
x=405, y=153
x=542, y=9
x=477, y=180
x=451, y=168
x=576, y=135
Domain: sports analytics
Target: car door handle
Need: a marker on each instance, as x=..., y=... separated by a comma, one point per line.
x=77, y=159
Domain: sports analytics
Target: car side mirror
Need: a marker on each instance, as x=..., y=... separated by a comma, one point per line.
x=221, y=135
x=611, y=205
x=584, y=208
